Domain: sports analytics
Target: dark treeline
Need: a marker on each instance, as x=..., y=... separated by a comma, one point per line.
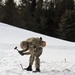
x=55, y=18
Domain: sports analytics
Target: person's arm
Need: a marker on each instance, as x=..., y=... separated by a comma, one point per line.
x=26, y=53
x=22, y=52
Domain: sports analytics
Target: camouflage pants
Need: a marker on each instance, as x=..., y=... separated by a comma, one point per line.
x=35, y=56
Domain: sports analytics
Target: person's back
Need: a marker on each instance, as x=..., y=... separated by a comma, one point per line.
x=35, y=42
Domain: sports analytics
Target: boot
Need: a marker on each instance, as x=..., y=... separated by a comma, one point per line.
x=37, y=70
x=29, y=68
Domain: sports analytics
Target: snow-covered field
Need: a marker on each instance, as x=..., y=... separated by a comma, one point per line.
x=58, y=56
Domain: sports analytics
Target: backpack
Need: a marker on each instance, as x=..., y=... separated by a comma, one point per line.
x=36, y=41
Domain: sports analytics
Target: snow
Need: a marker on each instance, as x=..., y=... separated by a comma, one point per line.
x=57, y=58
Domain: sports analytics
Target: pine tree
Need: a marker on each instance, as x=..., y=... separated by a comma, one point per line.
x=37, y=16
x=49, y=15
x=68, y=4
x=9, y=12
x=33, y=5
x=67, y=26
x=1, y=10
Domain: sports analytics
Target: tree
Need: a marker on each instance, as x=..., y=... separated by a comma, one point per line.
x=48, y=19
x=9, y=12
x=33, y=5
x=68, y=4
x=67, y=26
x=35, y=18
x=1, y=10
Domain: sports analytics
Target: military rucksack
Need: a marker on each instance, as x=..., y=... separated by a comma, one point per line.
x=36, y=41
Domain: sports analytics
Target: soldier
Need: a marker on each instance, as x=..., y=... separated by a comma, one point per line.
x=34, y=47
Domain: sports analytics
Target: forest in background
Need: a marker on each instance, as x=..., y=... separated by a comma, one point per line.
x=54, y=18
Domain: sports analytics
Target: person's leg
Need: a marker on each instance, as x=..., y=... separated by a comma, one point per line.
x=38, y=52
x=37, y=64
x=31, y=60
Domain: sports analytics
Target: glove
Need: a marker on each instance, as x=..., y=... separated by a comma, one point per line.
x=21, y=53
x=15, y=47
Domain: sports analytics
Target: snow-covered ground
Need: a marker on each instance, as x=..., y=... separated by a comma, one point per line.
x=58, y=56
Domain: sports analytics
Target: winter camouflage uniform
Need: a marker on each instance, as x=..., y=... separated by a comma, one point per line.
x=34, y=47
